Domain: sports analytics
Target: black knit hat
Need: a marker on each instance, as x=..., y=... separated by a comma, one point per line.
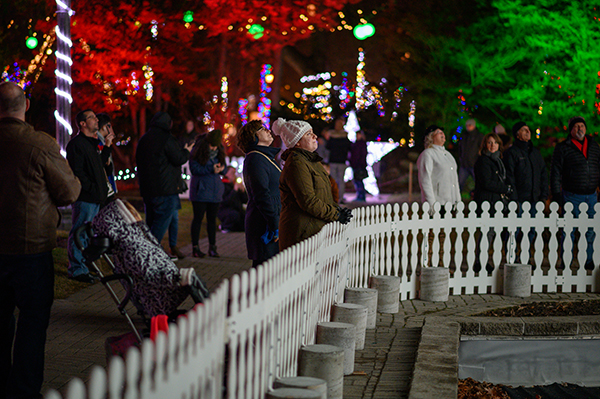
x=573, y=121
x=517, y=126
x=214, y=137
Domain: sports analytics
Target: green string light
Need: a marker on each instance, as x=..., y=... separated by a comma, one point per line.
x=31, y=42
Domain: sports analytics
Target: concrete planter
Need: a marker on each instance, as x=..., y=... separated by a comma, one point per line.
x=314, y=384
x=388, y=293
x=517, y=280
x=435, y=282
x=366, y=297
x=325, y=362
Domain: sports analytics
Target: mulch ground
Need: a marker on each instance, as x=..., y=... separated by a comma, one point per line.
x=540, y=309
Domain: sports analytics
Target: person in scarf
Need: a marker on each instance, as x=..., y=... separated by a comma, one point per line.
x=490, y=173
x=575, y=175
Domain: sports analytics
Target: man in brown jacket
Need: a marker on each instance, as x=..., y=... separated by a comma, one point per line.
x=34, y=180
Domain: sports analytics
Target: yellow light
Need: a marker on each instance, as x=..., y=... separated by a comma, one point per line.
x=359, y=11
x=181, y=83
x=269, y=78
x=263, y=18
x=341, y=14
x=201, y=27
x=230, y=27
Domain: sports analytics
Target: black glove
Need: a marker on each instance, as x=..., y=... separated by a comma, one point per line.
x=344, y=215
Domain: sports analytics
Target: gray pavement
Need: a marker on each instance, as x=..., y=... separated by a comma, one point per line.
x=409, y=354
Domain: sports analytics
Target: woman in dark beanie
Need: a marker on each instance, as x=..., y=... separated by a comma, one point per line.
x=207, y=162
x=261, y=178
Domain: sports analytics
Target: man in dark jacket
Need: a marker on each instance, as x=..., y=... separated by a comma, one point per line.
x=468, y=152
x=575, y=174
x=34, y=180
x=159, y=158
x=87, y=161
x=525, y=168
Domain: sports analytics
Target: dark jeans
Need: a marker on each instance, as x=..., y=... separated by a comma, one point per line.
x=82, y=212
x=26, y=283
x=463, y=175
x=162, y=213
x=211, y=209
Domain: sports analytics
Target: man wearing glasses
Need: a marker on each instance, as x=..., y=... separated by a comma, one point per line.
x=87, y=161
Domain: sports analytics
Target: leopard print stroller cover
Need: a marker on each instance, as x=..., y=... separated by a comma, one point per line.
x=137, y=253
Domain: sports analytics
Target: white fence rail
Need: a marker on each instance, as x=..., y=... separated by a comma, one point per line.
x=249, y=332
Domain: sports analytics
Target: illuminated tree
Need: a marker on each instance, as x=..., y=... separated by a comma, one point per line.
x=535, y=61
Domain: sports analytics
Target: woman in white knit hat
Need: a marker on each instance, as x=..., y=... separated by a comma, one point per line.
x=306, y=198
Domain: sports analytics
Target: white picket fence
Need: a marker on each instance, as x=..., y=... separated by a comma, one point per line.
x=249, y=332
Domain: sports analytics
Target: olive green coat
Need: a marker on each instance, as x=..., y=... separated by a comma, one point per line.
x=306, y=199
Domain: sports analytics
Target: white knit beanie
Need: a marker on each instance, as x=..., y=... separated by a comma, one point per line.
x=290, y=131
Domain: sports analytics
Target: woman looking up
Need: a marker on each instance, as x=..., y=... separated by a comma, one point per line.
x=306, y=198
x=261, y=178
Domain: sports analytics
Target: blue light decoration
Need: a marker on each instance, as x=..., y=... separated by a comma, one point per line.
x=243, y=110
x=345, y=95
x=264, y=105
x=17, y=76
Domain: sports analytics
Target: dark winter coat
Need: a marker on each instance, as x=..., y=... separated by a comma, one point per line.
x=338, y=149
x=206, y=185
x=34, y=180
x=468, y=148
x=306, y=199
x=88, y=165
x=231, y=211
x=526, y=172
x=358, y=154
x=261, y=178
x=159, y=158
x=572, y=172
x=490, y=180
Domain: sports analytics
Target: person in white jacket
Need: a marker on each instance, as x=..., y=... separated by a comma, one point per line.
x=438, y=175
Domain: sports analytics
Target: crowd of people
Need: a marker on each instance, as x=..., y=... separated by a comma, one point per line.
x=277, y=206
x=517, y=173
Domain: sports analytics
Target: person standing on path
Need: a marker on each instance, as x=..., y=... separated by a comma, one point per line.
x=437, y=170
x=159, y=158
x=261, y=178
x=207, y=164
x=87, y=159
x=34, y=180
x=468, y=151
x=575, y=175
x=339, y=147
x=306, y=199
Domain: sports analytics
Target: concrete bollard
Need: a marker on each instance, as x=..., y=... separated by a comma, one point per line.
x=318, y=385
x=342, y=335
x=366, y=297
x=292, y=393
x=326, y=362
x=435, y=282
x=517, y=280
x=388, y=293
x=353, y=314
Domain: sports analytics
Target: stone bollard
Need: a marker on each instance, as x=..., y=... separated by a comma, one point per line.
x=326, y=362
x=388, y=293
x=315, y=384
x=435, y=282
x=342, y=335
x=517, y=280
x=366, y=297
x=353, y=314
x=293, y=393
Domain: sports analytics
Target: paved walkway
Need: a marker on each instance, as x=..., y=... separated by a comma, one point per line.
x=81, y=323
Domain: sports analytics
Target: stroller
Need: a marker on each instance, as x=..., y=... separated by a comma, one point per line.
x=152, y=282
